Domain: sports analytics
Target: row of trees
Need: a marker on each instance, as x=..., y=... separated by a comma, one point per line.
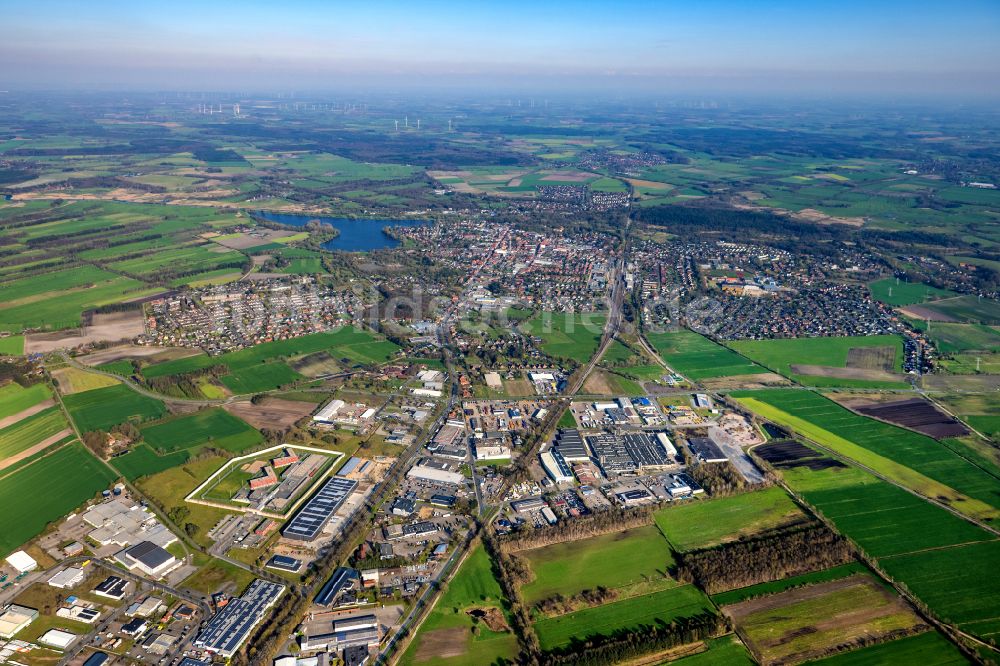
x=583, y=527
x=768, y=557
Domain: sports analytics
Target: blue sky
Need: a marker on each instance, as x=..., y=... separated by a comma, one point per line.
x=776, y=45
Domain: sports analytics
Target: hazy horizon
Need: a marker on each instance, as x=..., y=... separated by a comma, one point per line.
x=780, y=47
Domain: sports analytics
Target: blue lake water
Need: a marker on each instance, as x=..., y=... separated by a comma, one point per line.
x=355, y=235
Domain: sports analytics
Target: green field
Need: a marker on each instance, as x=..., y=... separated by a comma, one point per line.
x=703, y=523
x=773, y=587
x=728, y=650
x=662, y=606
x=143, y=461
x=911, y=459
x=959, y=584
x=968, y=309
x=348, y=343
x=123, y=368
x=474, y=586
x=952, y=338
x=28, y=432
x=14, y=398
x=102, y=408
x=696, y=357
x=927, y=649
x=258, y=378
x=567, y=335
x=616, y=560
x=213, y=427
x=46, y=491
x=881, y=518
x=905, y=293
x=780, y=354
x=12, y=345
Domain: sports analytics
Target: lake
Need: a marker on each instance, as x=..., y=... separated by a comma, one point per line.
x=355, y=235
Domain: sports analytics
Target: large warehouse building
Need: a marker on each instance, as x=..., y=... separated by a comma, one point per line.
x=230, y=627
x=313, y=517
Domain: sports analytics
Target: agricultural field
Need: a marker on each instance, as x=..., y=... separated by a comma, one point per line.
x=257, y=378
x=776, y=586
x=662, y=606
x=213, y=426
x=811, y=621
x=101, y=408
x=909, y=458
x=169, y=487
x=71, y=474
x=959, y=584
x=142, y=461
x=448, y=637
x=864, y=362
x=968, y=309
x=350, y=344
x=942, y=559
x=566, y=335
x=636, y=558
x=727, y=650
x=12, y=345
x=928, y=649
x=14, y=398
x=72, y=380
x=32, y=432
x=895, y=293
x=704, y=523
x=982, y=411
x=952, y=338
x=696, y=357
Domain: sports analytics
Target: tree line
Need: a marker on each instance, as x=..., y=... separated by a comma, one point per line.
x=767, y=557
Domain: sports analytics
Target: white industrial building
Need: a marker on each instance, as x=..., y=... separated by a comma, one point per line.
x=67, y=578
x=22, y=562
x=57, y=638
x=438, y=474
x=14, y=618
x=555, y=466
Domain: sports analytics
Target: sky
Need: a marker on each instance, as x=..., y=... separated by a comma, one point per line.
x=814, y=46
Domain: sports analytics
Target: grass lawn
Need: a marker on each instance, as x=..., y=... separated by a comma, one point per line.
x=47, y=490
x=637, y=557
x=214, y=426
x=567, y=335
x=665, y=605
x=218, y=575
x=911, y=459
x=703, y=523
x=696, y=357
x=105, y=407
x=779, y=355
x=905, y=293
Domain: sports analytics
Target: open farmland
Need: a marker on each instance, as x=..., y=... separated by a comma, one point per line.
x=14, y=398
x=895, y=292
x=952, y=338
x=928, y=649
x=102, y=408
x=959, y=584
x=942, y=559
x=142, y=461
x=214, y=427
x=258, y=378
x=867, y=361
x=649, y=609
x=811, y=621
x=32, y=431
x=967, y=309
x=615, y=561
x=697, y=357
x=704, y=523
x=909, y=458
x=353, y=344
x=445, y=638
x=47, y=490
x=169, y=487
x=12, y=345
x=567, y=335
x=776, y=586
